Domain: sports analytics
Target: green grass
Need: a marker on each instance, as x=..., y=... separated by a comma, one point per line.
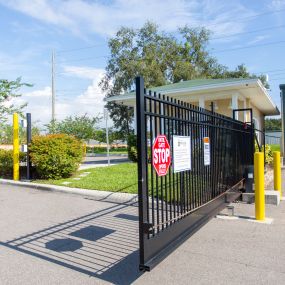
x=116, y=178
x=275, y=147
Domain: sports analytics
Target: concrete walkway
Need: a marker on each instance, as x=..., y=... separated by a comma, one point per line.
x=55, y=238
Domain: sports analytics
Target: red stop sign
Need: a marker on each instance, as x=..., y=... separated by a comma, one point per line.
x=161, y=156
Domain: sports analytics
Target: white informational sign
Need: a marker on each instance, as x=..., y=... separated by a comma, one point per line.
x=181, y=153
x=207, y=159
x=24, y=148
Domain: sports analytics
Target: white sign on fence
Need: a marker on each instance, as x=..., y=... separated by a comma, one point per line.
x=181, y=153
x=207, y=156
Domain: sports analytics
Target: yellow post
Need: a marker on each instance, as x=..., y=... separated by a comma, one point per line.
x=277, y=172
x=16, y=154
x=259, y=186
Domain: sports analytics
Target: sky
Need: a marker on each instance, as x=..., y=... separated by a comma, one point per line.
x=248, y=32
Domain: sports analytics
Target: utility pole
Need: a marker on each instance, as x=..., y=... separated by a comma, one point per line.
x=52, y=88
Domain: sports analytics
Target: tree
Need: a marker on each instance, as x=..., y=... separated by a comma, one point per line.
x=81, y=127
x=273, y=124
x=6, y=134
x=8, y=91
x=242, y=72
x=161, y=59
x=100, y=135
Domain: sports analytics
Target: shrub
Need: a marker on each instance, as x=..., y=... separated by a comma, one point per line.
x=89, y=149
x=6, y=162
x=132, y=148
x=103, y=149
x=268, y=152
x=55, y=156
x=133, y=154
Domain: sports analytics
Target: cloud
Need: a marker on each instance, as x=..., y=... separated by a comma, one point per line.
x=258, y=39
x=105, y=17
x=44, y=93
x=89, y=102
x=277, y=4
x=83, y=72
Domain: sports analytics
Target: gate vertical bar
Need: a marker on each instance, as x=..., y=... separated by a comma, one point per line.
x=142, y=177
x=173, y=207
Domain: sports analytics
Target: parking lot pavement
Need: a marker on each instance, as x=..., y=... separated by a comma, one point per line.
x=53, y=238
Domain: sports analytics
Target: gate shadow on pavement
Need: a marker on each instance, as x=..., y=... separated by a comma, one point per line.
x=103, y=244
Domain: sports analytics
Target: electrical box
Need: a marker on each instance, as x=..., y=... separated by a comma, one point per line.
x=249, y=179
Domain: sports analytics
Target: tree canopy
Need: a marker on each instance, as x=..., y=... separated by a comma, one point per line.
x=113, y=135
x=273, y=124
x=8, y=91
x=160, y=58
x=81, y=127
x=7, y=133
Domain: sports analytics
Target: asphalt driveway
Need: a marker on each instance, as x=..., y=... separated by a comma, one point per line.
x=53, y=238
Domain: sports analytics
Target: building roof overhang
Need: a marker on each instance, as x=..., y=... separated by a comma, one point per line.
x=212, y=89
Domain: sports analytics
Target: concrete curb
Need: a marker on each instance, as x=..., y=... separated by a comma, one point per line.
x=103, y=196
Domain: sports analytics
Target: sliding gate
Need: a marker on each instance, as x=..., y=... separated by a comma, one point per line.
x=191, y=164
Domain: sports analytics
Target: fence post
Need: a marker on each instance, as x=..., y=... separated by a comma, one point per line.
x=277, y=172
x=29, y=139
x=16, y=153
x=142, y=165
x=259, y=186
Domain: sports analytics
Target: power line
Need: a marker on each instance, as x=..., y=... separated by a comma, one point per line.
x=80, y=48
x=214, y=24
x=245, y=19
x=271, y=71
x=248, y=47
x=210, y=25
x=213, y=51
x=83, y=59
x=249, y=32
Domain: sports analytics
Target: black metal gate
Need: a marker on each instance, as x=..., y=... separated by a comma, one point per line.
x=173, y=206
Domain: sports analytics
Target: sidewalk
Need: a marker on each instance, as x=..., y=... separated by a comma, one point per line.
x=55, y=238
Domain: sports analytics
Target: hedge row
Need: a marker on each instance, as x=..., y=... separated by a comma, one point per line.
x=52, y=156
x=6, y=162
x=56, y=156
x=96, y=149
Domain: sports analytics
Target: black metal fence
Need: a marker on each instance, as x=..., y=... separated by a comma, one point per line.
x=175, y=205
x=263, y=138
x=273, y=138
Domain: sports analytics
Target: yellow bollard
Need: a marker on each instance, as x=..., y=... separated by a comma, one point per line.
x=16, y=153
x=277, y=172
x=259, y=186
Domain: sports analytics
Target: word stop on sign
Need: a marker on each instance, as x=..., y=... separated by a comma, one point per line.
x=161, y=156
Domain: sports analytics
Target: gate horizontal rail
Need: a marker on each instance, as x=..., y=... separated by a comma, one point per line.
x=173, y=206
